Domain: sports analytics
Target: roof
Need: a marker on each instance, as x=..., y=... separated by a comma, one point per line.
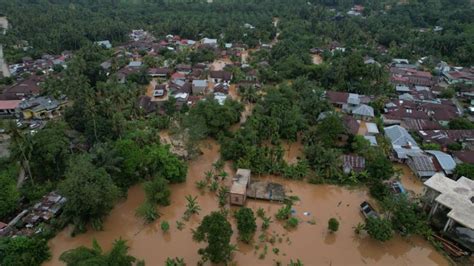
x=402, y=142
x=221, y=75
x=337, y=97
x=399, y=136
x=372, y=128
x=422, y=163
x=105, y=44
x=445, y=137
x=240, y=181
x=445, y=160
x=364, y=110
x=200, y=83
x=9, y=104
x=420, y=124
x=350, y=123
x=159, y=71
x=353, y=99
x=464, y=156
x=456, y=195
x=372, y=140
x=135, y=64
x=353, y=161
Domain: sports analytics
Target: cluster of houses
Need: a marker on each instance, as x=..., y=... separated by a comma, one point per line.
x=415, y=123
x=28, y=221
x=185, y=82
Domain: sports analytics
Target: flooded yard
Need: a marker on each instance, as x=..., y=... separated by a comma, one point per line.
x=408, y=179
x=310, y=242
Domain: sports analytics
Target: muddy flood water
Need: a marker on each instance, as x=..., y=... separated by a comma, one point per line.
x=310, y=242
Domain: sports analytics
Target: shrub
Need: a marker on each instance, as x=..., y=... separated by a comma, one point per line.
x=246, y=224
x=165, y=226
x=291, y=223
x=379, y=229
x=333, y=225
x=147, y=211
x=283, y=213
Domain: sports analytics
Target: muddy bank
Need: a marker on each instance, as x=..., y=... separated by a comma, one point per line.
x=310, y=242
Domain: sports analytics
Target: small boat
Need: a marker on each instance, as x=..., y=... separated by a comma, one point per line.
x=367, y=210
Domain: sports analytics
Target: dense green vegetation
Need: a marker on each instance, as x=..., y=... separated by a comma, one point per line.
x=118, y=255
x=246, y=224
x=21, y=251
x=216, y=231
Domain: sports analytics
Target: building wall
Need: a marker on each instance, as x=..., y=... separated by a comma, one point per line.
x=237, y=199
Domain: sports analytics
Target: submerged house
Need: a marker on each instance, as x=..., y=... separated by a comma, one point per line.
x=238, y=190
x=402, y=142
x=421, y=165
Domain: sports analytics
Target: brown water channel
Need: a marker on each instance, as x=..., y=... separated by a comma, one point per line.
x=310, y=242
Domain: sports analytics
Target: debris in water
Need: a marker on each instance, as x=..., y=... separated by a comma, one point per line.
x=339, y=204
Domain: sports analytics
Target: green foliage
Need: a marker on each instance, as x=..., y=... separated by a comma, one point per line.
x=378, y=190
x=455, y=146
x=379, y=166
x=291, y=223
x=295, y=263
x=333, y=225
x=223, y=195
x=165, y=226
x=326, y=162
x=406, y=216
x=9, y=195
x=175, y=262
x=211, y=118
x=360, y=145
x=328, y=131
x=246, y=224
x=50, y=151
x=431, y=146
x=216, y=231
x=90, y=191
x=23, y=251
x=379, y=228
x=447, y=93
x=192, y=207
x=464, y=169
x=163, y=163
x=118, y=255
x=148, y=212
x=266, y=221
x=201, y=185
x=284, y=212
x=460, y=123
x=214, y=186
x=157, y=191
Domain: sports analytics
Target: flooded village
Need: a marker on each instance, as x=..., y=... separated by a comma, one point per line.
x=340, y=155
x=310, y=242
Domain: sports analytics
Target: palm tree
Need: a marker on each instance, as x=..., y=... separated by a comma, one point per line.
x=192, y=207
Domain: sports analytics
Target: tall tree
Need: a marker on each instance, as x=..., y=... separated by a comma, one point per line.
x=216, y=231
x=90, y=193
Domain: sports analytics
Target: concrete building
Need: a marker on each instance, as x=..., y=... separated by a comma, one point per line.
x=455, y=196
x=238, y=190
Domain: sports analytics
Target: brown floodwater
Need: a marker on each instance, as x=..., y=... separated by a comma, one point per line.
x=310, y=242
x=409, y=179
